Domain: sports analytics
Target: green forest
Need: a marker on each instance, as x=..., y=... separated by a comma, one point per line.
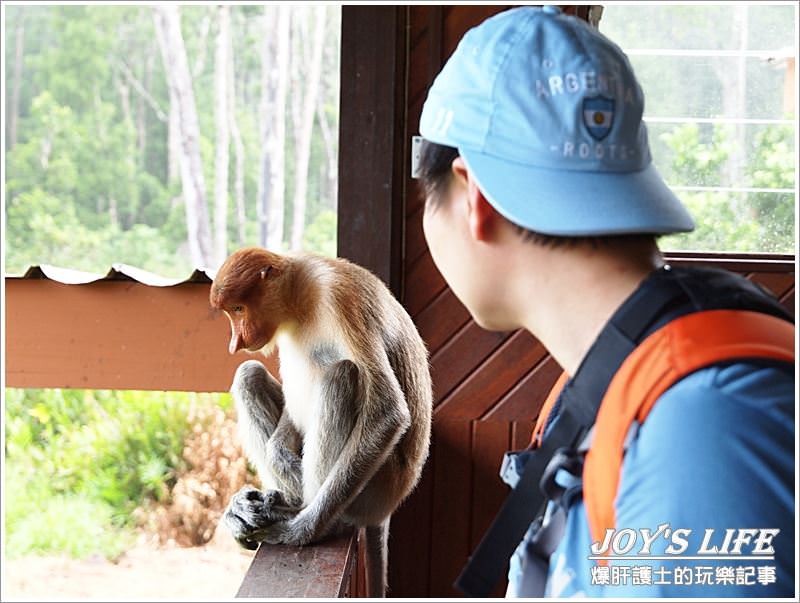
x=166, y=137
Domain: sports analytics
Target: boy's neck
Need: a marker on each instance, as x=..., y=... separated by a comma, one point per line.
x=567, y=303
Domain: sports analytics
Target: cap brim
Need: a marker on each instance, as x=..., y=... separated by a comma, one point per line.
x=578, y=203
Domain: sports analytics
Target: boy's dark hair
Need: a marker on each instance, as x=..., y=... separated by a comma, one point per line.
x=435, y=173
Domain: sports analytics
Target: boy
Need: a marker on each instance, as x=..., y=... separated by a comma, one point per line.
x=542, y=211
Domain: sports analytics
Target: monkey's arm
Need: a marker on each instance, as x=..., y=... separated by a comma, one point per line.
x=283, y=456
x=273, y=445
x=379, y=424
x=250, y=509
x=271, y=440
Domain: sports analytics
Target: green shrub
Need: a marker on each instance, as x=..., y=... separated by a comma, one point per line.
x=87, y=459
x=39, y=520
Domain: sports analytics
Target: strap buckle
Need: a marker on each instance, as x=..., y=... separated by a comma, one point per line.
x=514, y=465
x=571, y=461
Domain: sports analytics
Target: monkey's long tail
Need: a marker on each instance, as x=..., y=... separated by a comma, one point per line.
x=376, y=548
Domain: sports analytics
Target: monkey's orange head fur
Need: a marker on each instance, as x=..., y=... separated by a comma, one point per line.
x=251, y=289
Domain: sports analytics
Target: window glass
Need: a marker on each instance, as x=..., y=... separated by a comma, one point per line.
x=719, y=85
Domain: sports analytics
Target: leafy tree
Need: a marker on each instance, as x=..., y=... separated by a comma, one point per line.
x=727, y=221
x=320, y=235
x=774, y=167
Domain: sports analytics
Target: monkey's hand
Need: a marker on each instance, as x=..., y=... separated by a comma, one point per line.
x=296, y=531
x=251, y=511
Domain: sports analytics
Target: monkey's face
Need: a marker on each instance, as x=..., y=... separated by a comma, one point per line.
x=249, y=288
x=248, y=331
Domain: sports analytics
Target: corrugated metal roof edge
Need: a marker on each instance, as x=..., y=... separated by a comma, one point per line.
x=117, y=272
x=125, y=272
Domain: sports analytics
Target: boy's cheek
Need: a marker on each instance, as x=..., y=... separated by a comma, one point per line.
x=433, y=233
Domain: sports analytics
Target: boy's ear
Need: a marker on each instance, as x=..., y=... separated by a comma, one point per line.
x=482, y=215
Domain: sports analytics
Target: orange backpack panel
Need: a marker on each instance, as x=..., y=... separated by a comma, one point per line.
x=681, y=347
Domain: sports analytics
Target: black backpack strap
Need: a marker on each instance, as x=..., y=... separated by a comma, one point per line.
x=666, y=294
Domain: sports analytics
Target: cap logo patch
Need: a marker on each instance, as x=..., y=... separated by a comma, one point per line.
x=598, y=115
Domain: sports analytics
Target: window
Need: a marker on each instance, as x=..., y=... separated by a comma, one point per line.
x=105, y=164
x=719, y=84
x=162, y=137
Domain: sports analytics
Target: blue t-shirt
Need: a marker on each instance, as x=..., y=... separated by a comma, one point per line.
x=716, y=452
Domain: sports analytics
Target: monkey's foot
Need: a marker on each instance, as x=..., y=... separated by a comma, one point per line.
x=250, y=511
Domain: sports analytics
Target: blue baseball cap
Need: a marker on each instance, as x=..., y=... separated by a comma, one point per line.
x=547, y=115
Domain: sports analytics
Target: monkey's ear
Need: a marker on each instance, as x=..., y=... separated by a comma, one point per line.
x=269, y=271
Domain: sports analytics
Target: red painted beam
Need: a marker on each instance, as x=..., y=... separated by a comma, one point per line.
x=117, y=335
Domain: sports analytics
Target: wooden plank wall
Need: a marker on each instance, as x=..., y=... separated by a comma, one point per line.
x=488, y=387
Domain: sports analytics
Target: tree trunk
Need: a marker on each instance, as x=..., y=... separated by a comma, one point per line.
x=173, y=140
x=264, y=107
x=221, y=117
x=168, y=31
x=736, y=162
x=202, y=47
x=113, y=214
x=13, y=115
x=131, y=202
x=734, y=86
x=238, y=146
x=303, y=149
x=124, y=101
x=141, y=88
x=329, y=140
x=141, y=111
x=275, y=221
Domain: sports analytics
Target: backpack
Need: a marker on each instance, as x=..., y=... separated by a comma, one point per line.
x=681, y=347
x=678, y=321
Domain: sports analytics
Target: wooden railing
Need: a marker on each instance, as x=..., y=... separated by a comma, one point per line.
x=321, y=571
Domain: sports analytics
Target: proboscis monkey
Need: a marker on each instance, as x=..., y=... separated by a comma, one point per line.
x=343, y=440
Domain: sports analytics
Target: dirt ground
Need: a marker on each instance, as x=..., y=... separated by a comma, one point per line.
x=212, y=572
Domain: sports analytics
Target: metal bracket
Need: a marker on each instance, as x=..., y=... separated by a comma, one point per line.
x=416, y=145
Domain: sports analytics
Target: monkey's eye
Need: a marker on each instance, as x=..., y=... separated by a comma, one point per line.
x=237, y=309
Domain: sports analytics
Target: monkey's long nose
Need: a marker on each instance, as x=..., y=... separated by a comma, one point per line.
x=236, y=342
